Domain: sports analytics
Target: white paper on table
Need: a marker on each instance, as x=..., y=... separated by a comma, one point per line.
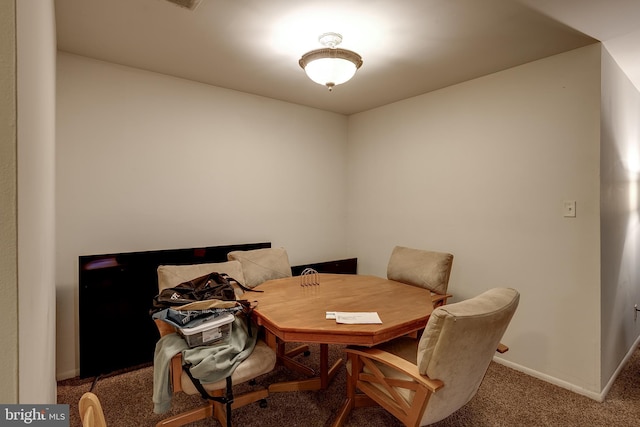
x=357, y=317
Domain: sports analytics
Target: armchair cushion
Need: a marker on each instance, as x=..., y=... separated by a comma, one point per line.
x=261, y=361
x=426, y=269
x=260, y=265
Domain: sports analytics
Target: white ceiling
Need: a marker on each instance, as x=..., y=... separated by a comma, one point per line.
x=409, y=47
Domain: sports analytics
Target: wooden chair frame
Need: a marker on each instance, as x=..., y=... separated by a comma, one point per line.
x=91, y=414
x=377, y=389
x=439, y=300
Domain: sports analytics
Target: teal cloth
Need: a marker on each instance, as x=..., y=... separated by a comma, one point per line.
x=209, y=364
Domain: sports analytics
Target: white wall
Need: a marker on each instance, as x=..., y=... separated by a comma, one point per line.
x=146, y=161
x=8, y=206
x=620, y=169
x=36, y=65
x=481, y=170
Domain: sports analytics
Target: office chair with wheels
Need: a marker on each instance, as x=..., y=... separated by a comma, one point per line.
x=261, y=361
x=423, y=382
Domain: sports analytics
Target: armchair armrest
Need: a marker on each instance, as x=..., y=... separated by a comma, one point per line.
x=399, y=364
x=164, y=328
x=390, y=392
x=439, y=299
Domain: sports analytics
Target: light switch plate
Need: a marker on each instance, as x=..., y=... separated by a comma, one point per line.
x=569, y=208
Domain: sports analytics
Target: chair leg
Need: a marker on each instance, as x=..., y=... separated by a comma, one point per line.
x=349, y=402
x=214, y=409
x=296, y=351
x=220, y=410
x=249, y=397
x=220, y=413
x=188, y=417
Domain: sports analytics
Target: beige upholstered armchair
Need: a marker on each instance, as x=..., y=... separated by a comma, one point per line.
x=422, y=383
x=261, y=361
x=426, y=269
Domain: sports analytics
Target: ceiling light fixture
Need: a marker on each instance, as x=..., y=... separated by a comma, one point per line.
x=331, y=65
x=187, y=4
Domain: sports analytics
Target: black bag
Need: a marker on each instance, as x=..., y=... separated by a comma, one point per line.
x=210, y=286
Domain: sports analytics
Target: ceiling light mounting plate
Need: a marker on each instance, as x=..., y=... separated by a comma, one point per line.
x=330, y=40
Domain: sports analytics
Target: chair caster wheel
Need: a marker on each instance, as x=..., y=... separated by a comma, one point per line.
x=263, y=403
x=307, y=353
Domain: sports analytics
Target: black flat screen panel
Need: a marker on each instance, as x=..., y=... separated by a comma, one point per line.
x=115, y=295
x=341, y=266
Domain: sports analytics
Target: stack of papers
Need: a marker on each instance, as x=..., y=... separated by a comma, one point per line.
x=354, y=317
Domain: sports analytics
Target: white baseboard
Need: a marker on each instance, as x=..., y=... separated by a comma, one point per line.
x=566, y=385
x=620, y=367
x=67, y=374
x=552, y=380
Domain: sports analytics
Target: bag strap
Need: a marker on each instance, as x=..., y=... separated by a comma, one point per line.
x=247, y=310
x=227, y=400
x=240, y=285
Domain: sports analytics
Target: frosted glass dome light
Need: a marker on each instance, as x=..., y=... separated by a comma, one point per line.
x=330, y=66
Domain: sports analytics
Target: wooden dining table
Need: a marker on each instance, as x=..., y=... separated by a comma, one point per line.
x=294, y=310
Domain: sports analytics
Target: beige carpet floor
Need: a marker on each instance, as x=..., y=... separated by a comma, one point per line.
x=506, y=398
